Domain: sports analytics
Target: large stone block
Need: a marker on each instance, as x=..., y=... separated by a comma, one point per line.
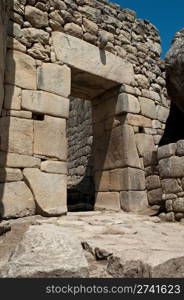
x=148, y=108
x=47, y=251
x=153, y=182
x=38, y=18
x=117, y=149
x=127, y=103
x=16, y=135
x=133, y=201
x=144, y=143
x=162, y=113
x=86, y=57
x=171, y=185
x=55, y=79
x=15, y=160
x=16, y=200
x=178, y=205
x=57, y=167
x=102, y=181
x=45, y=103
x=127, y=179
x=171, y=167
x=50, y=138
x=49, y=191
x=20, y=70
x=138, y=120
x=107, y=201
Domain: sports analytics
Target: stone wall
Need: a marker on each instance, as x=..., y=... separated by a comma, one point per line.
x=41, y=73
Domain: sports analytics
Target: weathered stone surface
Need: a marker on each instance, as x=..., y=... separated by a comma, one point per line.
x=138, y=120
x=10, y=174
x=170, y=186
x=77, y=53
x=73, y=29
x=102, y=181
x=90, y=26
x=16, y=200
x=15, y=160
x=51, y=166
x=47, y=251
x=144, y=143
x=166, y=151
x=19, y=114
x=150, y=158
x=180, y=148
x=127, y=179
x=33, y=35
x=20, y=70
x=116, y=150
x=12, y=97
x=16, y=135
x=155, y=196
x=148, y=108
x=162, y=113
x=36, y=17
x=60, y=81
x=178, y=205
x=50, y=138
x=153, y=182
x=107, y=201
x=133, y=201
x=49, y=191
x=45, y=103
x=127, y=103
x=171, y=167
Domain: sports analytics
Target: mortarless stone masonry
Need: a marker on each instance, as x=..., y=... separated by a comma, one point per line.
x=58, y=51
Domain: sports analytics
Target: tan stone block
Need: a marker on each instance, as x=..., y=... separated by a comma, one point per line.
x=155, y=196
x=16, y=200
x=107, y=201
x=153, y=182
x=148, y=108
x=171, y=185
x=127, y=179
x=12, y=97
x=162, y=113
x=133, y=201
x=73, y=29
x=49, y=191
x=45, y=103
x=127, y=103
x=10, y=174
x=144, y=143
x=90, y=26
x=55, y=79
x=51, y=166
x=50, y=138
x=86, y=57
x=16, y=135
x=117, y=149
x=102, y=181
x=20, y=70
x=15, y=160
x=138, y=120
x=172, y=167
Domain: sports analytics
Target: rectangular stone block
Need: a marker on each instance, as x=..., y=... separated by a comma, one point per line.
x=127, y=103
x=45, y=103
x=178, y=205
x=54, y=78
x=51, y=166
x=117, y=149
x=50, y=138
x=20, y=70
x=19, y=114
x=133, y=201
x=10, y=174
x=148, y=108
x=138, y=120
x=127, y=179
x=16, y=135
x=172, y=167
x=16, y=200
x=171, y=185
x=144, y=143
x=49, y=191
x=14, y=160
x=12, y=98
x=89, y=58
x=107, y=201
x=162, y=113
